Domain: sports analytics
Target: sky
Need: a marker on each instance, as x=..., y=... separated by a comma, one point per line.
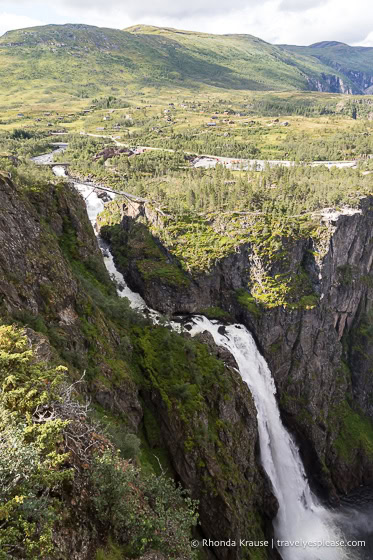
x=299, y=22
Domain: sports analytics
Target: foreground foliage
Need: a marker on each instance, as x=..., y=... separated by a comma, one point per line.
x=32, y=464
x=39, y=462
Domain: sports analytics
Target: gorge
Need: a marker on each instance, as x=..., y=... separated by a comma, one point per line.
x=300, y=517
x=186, y=290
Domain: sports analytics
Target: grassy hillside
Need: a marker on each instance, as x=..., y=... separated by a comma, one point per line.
x=259, y=65
x=61, y=62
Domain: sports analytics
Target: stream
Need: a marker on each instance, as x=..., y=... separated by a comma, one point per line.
x=309, y=530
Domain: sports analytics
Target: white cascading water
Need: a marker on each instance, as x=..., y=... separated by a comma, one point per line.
x=95, y=205
x=300, y=517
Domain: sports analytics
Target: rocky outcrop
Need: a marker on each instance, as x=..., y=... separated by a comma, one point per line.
x=363, y=80
x=222, y=470
x=333, y=84
x=42, y=234
x=319, y=354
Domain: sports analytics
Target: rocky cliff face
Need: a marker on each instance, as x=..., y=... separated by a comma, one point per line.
x=44, y=235
x=52, y=277
x=333, y=84
x=216, y=457
x=363, y=80
x=320, y=354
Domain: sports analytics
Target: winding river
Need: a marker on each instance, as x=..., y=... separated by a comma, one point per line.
x=307, y=527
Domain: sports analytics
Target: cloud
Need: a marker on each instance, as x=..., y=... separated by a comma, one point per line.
x=368, y=41
x=299, y=5
x=159, y=8
x=14, y=21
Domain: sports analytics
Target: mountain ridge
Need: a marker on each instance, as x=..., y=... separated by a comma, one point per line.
x=84, y=60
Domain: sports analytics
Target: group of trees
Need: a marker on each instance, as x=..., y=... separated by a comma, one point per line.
x=278, y=190
x=336, y=146
x=209, y=143
x=169, y=180
x=252, y=141
x=24, y=143
x=110, y=102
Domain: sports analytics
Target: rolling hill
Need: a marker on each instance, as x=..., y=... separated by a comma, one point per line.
x=80, y=61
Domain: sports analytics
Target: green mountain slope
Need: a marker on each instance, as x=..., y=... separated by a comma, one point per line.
x=83, y=61
x=356, y=63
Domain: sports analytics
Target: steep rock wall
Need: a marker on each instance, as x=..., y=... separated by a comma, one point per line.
x=48, y=264
x=317, y=353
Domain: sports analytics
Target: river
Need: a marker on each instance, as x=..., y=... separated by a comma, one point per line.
x=307, y=527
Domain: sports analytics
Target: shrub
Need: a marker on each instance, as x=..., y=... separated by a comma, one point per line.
x=31, y=463
x=146, y=510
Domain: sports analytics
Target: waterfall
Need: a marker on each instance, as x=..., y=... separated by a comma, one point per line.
x=95, y=205
x=300, y=517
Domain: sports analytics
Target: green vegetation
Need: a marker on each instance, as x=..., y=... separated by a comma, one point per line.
x=24, y=143
x=178, y=368
x=249, y=302
x=40, y=464
x=215, y=313
x=121, y=353
x=151, y=261
x=168, y=181
x=207, y=214
x=357, y=60
x=150, y=510
x=61, y=62
x=356, y=433
x=32, y=466
x=159, y=88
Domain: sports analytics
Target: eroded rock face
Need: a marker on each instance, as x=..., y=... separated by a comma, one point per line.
x=224, y=474
x=29, y=260
x=37, y=232
x=321, y=357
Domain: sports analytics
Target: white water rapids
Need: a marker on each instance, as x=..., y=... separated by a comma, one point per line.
x=300, y=516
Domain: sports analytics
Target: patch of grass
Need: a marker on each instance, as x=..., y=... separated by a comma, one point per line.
x=249, y=302
x=356, y=433
x=215, y=313
x=111, y=552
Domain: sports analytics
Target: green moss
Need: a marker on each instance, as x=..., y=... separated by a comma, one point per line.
x=151, y=428
x=215, y=313
x=249, y=302
x=154, y=459
x=140, y=245
x=356, y=432
x=308, y=302
x=195, y=243
x=167, y=272
x=275, y=347
x=294, y=291
x=178, y=368
x=346, y=274
x=287, y=400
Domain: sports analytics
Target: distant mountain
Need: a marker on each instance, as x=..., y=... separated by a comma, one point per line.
x=355, y=63
x=84, y=61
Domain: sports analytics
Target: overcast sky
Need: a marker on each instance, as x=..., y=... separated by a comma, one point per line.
x=300, y=22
